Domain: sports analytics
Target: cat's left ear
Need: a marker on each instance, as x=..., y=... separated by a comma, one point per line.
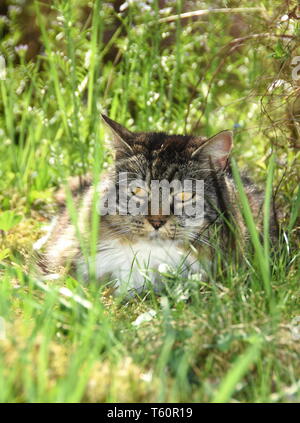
x=122, y=136
x=216, y=149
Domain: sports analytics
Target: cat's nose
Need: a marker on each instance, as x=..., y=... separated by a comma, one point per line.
x=156, y=222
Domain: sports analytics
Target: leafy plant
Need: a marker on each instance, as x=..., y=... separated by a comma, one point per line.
x=8, y=220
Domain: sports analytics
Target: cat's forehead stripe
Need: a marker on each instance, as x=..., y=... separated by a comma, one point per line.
x=156, y=141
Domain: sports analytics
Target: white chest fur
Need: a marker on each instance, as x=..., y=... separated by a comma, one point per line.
x=133, y=266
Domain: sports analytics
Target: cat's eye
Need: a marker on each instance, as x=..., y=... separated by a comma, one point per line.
x=139, y=192
x=183, y=196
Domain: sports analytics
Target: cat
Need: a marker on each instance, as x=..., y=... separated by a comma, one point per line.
x=132, y=248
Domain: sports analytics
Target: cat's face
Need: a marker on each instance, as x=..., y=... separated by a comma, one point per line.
x=170, y=190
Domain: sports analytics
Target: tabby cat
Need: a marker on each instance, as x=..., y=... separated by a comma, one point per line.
x=132, y=247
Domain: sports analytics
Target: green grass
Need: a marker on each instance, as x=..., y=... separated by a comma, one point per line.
x=229, y=339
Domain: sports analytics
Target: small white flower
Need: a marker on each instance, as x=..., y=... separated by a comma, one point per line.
x=144, y=317
x=284, y=18
x=147, y=377
x=22, y=48
x=164, y=268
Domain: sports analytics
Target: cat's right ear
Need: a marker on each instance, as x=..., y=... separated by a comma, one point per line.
x=122, y=137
